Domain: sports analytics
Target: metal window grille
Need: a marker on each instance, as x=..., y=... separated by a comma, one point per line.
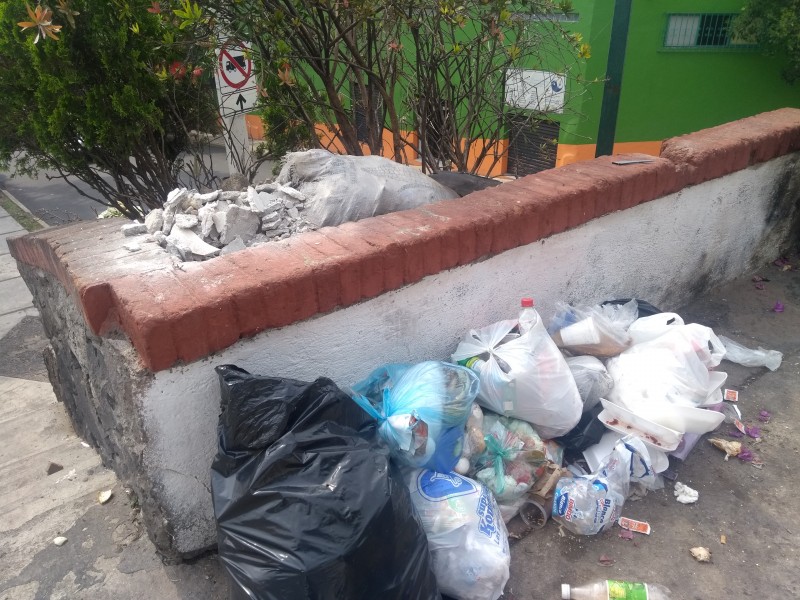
x=533, y=144
x=708, y=30
x=561, y=17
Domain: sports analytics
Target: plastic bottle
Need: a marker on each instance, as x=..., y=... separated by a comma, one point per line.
x=528, y=317
x=615, y=590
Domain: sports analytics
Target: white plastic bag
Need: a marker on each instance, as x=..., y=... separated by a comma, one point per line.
x=526, y=377
x=673, y=367
x=592, y=379
x=649, y=328
x=341, y=188
x=587, y=330
x=761, y=357
x=466, y=534
x=588, y=504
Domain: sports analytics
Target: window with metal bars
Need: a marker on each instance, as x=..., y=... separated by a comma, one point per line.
x=698, y=31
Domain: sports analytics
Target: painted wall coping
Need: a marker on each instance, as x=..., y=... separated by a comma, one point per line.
x=181, y=314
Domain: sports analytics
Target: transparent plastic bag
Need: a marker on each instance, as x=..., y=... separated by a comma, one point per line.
x=588, y=504
x=760, y=357
x=513, y=452
x=592, y=379
x=467, y=538
x=474, y=444
x=422, y=410
x=523, y=376
x=588, y=330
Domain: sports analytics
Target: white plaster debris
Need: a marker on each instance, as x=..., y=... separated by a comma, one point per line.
x=60, y=540
x=193, y=226
x=131, y=229
x=154, y=220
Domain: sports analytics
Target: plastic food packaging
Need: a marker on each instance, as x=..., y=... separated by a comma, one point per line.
x=513, y=453
x=588, y=330
x=587, y=504
x=422, y=410
x=760, y=357
x=466, y=536
x=592, y=379
x=523, y=376
x=306, y=497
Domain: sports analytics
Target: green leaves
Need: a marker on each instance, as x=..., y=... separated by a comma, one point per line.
x=190, y=14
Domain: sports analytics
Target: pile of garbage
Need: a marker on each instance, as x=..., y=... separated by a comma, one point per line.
x=314, y=188
x=402, y=487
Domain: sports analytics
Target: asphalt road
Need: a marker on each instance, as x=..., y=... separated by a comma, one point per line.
x=53, y=201
x=56, y=202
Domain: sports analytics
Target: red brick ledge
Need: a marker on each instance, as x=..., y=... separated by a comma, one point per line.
x=180, y=315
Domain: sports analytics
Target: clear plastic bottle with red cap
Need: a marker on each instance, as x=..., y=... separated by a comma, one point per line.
x=528, y=317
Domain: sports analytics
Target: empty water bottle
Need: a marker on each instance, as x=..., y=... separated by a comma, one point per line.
x=528, y=317
x=615, y=590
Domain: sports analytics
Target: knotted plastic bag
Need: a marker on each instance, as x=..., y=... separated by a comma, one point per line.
x=523, y=376
x=422, y=410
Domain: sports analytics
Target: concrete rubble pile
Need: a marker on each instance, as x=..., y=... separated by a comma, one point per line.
x=194, y=226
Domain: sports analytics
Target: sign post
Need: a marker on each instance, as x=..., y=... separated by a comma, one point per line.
x=236, y=91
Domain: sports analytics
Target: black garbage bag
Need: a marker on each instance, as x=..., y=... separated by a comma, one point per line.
x=308, y=505
x=586, y=433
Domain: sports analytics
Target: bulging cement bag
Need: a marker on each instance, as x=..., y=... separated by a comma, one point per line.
x=523, y=376
x=466, y=535
x=341, y=188
x=308, y=504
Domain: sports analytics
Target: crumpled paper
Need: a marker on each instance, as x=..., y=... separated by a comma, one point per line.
x=684, y=494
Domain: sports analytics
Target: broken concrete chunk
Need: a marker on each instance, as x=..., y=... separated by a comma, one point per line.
x=236, y=245
x=154, y=220
x=60, y=540
x=188, y=242
x=236, y=222
x=185, y=221
x=266, y=187
x=229, y=196
x=203, y=199
x=293, y=212
x=104, y=496
x=131, y=229
x=132, y=247
x=160, y=238
x=206, y=217
x=292, y=193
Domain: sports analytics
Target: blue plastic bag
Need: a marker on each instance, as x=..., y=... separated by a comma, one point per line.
x=422, y=410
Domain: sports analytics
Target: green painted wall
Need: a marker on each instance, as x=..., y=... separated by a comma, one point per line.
x=671, y=92
x=668, y=92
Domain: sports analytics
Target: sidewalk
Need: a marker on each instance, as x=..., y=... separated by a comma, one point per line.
x=49, y=482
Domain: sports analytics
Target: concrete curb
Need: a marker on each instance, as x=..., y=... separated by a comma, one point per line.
x=11, y=197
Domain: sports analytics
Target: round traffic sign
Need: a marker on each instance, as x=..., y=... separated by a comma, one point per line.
x=235, y=67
